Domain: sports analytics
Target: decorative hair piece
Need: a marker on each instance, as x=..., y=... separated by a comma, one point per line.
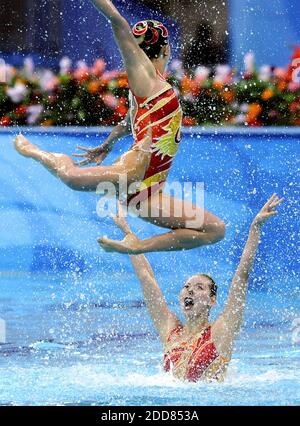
x=151, y=36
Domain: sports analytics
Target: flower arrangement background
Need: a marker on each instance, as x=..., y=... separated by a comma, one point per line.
x=93, y=96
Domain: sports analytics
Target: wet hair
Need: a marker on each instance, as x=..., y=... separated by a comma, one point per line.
x=213, y=286
x=151, y=37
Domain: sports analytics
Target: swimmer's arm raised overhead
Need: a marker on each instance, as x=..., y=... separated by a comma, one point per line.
x=164, y=320
x=228, y=324
x=140, y=70
x=98, y=154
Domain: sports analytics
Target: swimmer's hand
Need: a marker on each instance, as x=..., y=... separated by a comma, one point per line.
x=128, y=245
x=93, y=155
x=98, y=154
x=267, y=211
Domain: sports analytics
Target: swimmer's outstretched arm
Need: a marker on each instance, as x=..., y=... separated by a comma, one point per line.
x=228, y=324
x=98, y=154
x=140, y=70
x=164, y=320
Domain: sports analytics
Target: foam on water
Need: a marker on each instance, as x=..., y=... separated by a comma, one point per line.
x=79, y=383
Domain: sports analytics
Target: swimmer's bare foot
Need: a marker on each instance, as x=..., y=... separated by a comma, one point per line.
x=24, y=147
x=130, y=245
x=53, y=161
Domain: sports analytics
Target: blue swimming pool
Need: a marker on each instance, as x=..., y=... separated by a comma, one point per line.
x=77, y=331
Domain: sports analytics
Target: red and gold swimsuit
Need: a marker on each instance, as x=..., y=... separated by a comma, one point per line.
x=158, y=119
x=196, y=359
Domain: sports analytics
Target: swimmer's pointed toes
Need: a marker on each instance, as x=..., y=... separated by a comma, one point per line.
x=105, y=244
x=103, y=240
x=22, y=145
x=17, y=139
x=109, y=245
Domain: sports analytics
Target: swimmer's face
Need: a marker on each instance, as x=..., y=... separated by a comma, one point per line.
x=195, y=297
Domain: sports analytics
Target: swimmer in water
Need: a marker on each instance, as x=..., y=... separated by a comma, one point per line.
x=200, y=350
x=154, y=119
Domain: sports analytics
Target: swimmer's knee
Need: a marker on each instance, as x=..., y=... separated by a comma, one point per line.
x=217, y=231
x=69, y=177
x=214, y=230
x=220, y=231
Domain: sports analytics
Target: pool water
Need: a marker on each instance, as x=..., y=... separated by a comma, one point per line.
x=77, y=329
x=79, y=342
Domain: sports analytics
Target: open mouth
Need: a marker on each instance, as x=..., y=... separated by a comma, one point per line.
x=188, y=301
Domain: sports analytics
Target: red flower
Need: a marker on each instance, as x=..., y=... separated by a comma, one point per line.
x=247, y=75
x=255, y=123
x=5, y=121
x=295, y=107
x=121, y=111
x=189, y=121
x=21, y=110
x=296, y=53
x=81, y=74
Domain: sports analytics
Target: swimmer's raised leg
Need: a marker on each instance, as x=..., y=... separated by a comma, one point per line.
x=51, y=161
x=62, y=166
x=207, y=229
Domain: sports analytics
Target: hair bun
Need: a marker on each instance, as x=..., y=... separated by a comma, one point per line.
x=151, y=36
